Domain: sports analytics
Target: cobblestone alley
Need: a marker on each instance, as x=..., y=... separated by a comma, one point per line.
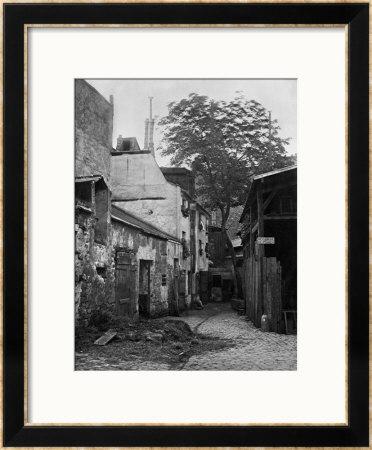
x=253, y=350
x=249, y=348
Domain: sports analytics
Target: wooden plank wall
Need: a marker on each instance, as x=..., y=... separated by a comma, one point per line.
x=271, y=303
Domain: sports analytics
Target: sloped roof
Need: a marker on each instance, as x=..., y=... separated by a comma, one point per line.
x=274, y=172
x=91, y=178
x=84, y=179
x=176, y=170
x=135, y=222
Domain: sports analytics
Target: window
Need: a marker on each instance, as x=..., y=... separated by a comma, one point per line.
x=201, y=224
x=185, y=207
x=83, y=194
x=200, y=247
x=185, y=247
x=163, y=280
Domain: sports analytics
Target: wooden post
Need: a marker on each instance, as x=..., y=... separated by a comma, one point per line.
x=261, y=248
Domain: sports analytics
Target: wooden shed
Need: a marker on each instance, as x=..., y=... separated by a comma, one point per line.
x=269, y=235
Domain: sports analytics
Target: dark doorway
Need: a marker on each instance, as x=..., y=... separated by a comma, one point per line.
x=189, y=285
x=144, y=288
x=176, y=271
x=182, y=290
x=204, y=291
x=227, y=290
x=216, y=281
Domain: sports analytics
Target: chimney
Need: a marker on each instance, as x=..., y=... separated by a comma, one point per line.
x=119, y=142
x=151, y=136
x=146, y=146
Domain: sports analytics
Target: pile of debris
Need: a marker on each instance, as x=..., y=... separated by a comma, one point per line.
x=162, y=340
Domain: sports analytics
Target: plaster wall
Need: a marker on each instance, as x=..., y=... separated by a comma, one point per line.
x=137, y=176
x=140, y=187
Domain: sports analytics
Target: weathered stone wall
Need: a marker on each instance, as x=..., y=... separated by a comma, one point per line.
x=151, y=249
x=95, y=270
x=94, y=273
x=93, y=132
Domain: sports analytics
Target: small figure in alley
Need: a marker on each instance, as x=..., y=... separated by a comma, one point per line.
x=185, y=224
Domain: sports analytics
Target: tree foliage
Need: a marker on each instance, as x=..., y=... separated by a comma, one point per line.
x=223, y=143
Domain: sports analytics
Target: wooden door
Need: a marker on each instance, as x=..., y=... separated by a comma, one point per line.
x=123, y=284
x=270, y=282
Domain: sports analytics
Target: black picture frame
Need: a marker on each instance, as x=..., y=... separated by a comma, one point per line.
x=15, y=433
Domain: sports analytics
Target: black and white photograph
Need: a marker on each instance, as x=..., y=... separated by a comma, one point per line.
x=185, y=224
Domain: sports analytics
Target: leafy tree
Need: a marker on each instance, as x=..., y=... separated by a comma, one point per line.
x=224, y=143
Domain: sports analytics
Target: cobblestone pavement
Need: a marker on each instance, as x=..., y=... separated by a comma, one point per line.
x=253, y=350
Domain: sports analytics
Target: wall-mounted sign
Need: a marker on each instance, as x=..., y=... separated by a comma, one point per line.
x=265, y=240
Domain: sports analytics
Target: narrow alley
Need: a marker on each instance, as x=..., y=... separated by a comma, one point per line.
x=185, y=258
x=221, y=340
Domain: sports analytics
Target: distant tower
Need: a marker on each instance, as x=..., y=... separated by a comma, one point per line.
x=149, y=131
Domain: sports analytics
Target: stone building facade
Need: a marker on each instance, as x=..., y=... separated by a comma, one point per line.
x=164, y=200
x=126, y=272
x=114, y=250
x=140, y=238
x=150, y=254
x=94, y=279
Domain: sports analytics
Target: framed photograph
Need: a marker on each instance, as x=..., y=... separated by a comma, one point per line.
x=186, y=225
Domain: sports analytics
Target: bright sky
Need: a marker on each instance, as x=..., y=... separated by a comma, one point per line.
x=131, y=102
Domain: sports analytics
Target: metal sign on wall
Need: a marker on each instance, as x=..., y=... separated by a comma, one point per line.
x=265, y=240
